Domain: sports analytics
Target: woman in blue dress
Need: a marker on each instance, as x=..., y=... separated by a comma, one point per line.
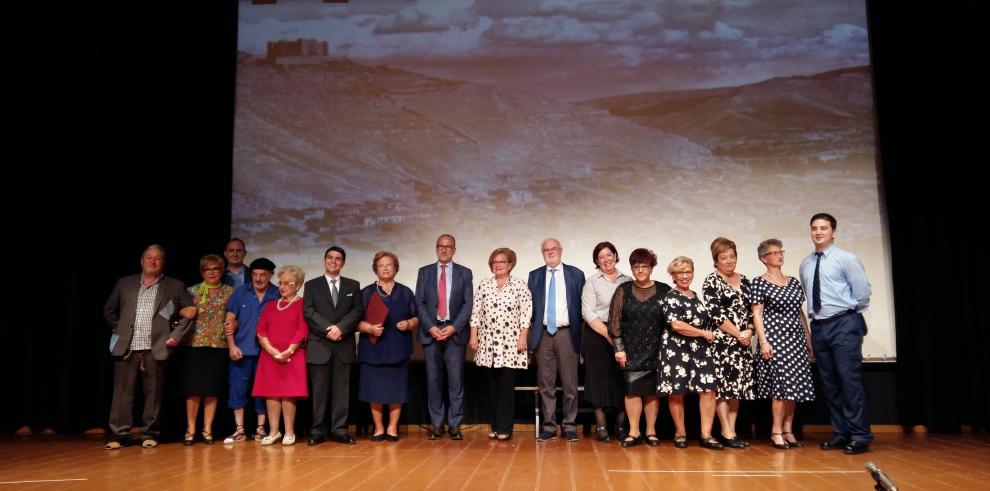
x=384, y=349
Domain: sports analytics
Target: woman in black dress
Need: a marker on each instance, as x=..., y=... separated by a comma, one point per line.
x=602, y=379
x=686, y=354
x=636, y=321
x=783, y=371
x=384, y=349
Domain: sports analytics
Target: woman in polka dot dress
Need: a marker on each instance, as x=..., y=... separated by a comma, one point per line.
x=783, y=370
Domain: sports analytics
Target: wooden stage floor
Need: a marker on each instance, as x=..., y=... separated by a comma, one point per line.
x=919, y=461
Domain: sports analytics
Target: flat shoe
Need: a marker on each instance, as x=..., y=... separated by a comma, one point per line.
x=208, y=438
x=652, y=440
x=711, y=444
x=189, y=439
x=602, y=435
x=289, y=439
x=113, y=445
x=391, y=438
x=680, y=441
x=271, y=439
x=377, y=438
x=631, y=441
x=149, y=443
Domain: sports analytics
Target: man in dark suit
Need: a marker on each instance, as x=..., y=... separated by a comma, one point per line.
x=149, y=314
x=444, y=296
x=555, y=337
x=332, y=306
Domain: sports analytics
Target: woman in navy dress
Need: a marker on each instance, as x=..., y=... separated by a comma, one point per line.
x=384, y=349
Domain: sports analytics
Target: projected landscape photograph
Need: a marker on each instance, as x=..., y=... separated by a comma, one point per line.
x=380, y=125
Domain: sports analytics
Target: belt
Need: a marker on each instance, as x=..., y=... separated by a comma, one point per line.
x=834, y=317
x=442, y=323
x=558, y=329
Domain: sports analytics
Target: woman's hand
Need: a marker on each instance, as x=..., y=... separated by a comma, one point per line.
x=620, y=358
x=766, y=350
x=745, y=337
x=473, y=342
x=403, y=325
x=709, y=336
x=811, y=355
x=521, y=343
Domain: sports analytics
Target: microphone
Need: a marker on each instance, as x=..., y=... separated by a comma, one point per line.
x=883, y=482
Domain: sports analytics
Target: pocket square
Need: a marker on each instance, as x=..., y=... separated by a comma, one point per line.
x=350, y=295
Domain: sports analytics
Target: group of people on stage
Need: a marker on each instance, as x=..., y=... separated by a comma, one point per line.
x=640, y=339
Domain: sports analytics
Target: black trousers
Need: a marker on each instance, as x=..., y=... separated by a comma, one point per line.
x=501, y=398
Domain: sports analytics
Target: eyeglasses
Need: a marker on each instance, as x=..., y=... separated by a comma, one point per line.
x=642, y=266
x=552, y=249
x=500, y=262
x=774, y=253
x=212, y=270
x=290, y=283
x=445, y=247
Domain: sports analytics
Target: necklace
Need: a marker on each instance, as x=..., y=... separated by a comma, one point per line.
x=382, y=292
x=278, y=305
x=778, y=278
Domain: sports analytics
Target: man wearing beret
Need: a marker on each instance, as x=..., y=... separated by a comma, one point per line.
x=243, y=311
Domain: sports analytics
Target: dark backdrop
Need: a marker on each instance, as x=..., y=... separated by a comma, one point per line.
x=119, y=131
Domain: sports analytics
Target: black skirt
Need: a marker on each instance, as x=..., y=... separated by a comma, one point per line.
x=603, y=385
x=640, y=383
x=206, y=372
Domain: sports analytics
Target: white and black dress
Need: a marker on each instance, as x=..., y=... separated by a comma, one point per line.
x=733, y=361
x=787, y=375
x=686, y=362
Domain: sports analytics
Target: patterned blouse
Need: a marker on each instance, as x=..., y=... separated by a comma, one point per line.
x=500, y=315
x=209, y=320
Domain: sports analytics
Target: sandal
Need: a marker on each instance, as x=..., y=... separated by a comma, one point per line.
x=189, y=439
x=207, y=437
x=492, y=435
x=113, y=445
x=260, y=433
x=652, y=440
x=795, y=443
x=238, y=436
x=503, y=437
x=680, y=441
x=149, y=443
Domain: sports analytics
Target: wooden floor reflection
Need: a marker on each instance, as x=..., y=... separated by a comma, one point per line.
x=928, y=462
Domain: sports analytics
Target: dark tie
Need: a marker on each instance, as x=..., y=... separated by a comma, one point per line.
x=335, y=294
x=552, y=303
x=816, y=286
x=442, y=300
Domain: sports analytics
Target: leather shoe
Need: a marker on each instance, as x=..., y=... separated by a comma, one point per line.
x=435, y=433
x=343, y=438
x=377, y=438
x=835, y=444
x=455, y=433
x=316, y=439
x=856, y=447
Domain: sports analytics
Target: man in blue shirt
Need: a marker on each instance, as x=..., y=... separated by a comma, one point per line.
x=243, y=311
x=838, y=292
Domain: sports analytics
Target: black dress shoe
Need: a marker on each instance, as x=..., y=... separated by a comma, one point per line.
x=856, y=447
x=835, y=444
x=455, y=433
x=435, y=433
x=631, y=441
x=377, y=438
x=391, y=438
x=343, y=438
x=602, y=435
x=316, y=439
x=711, y=444
x=734, y=442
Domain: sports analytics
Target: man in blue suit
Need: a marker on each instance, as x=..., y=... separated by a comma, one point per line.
x=555, y=337
x=444, y=296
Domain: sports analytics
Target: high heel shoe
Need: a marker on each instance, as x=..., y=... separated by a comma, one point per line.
x=189, y=439
x=780, y=446
x=207, y=437
x=795, y=443
x=272, y=439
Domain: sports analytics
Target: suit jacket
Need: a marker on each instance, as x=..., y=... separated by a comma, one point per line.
x=460, y=299
x=320, y=313
x=574, y=279
x=121, y=310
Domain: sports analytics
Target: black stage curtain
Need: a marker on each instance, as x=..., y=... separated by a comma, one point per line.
x=140, y=101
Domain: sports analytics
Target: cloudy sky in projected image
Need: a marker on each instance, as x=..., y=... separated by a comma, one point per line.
x=594, y=49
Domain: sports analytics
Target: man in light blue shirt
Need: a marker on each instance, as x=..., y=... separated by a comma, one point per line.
x=838, y=292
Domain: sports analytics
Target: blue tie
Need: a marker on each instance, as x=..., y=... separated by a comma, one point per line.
x=552, y=304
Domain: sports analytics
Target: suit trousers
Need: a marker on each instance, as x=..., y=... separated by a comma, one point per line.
x=501, y=383
x=555, y=355
x=445, y=358
x=838, y=347
x=331, y=382
x=125, y=373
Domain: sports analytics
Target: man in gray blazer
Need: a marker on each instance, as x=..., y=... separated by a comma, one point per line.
x=149, y=314
x=444, y=296
x=555, y=336
x=332, y=307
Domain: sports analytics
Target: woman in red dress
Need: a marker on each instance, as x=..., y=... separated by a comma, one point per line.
x=281, y=376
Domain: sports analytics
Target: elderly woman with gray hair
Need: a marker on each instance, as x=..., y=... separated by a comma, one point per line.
x=783, y=371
